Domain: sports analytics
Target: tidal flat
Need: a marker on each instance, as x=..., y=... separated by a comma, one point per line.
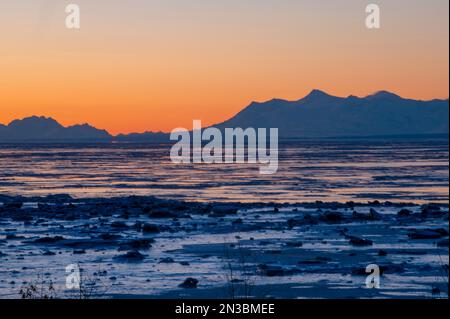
x=147, y=247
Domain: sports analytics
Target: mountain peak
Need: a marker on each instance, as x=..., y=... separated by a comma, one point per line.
x=41, y=128
x=317, y=95
x=384, y=95
x=316, y=92
x=35, y=121
x=320, y=115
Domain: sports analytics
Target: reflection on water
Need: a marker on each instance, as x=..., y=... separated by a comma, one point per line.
x=308, y=171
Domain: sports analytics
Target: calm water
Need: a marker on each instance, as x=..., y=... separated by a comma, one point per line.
x=308, y=171
x=401, y=171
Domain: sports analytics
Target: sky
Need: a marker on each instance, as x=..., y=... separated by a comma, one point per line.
x=151, y=65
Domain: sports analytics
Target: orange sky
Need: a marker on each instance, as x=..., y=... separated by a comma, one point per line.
x=156, y=65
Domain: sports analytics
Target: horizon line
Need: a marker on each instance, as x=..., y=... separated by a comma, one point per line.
x=311, y=93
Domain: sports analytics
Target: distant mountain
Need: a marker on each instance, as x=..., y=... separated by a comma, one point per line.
x=42, y=129
x=320, y=115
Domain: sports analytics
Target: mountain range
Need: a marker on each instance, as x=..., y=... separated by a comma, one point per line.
x=43, y=129
x=318, y=115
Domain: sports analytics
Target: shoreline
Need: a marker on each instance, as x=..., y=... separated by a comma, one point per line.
x=148, y=247
x=67, y=199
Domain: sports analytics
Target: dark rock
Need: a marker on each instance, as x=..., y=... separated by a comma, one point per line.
x=12, y=206
x=238, y=221
x=331, y=217
x=107, y=236
x=382, y=253
x=162, y=214
x=44, y=207
x=22, y=218
x=49, y=240
x=374, y=215
x=316, y=261
x=90, y=243
x=294, y=244
x=132, y=256
x=79, y=252
x=360, y=216
x=58, y=198
x=431, y=206
x=119, y=224
x=292, y=223
x=323, y=259
x=236, y=281
x=308, y=218
x=358, y=241
x=137, y=244
x=428, y=233
x=224, y=210
x=150, y=228
x=443, y=243
x=167, y=260
x=404, y=213
x=48, y=253
x=189, y=283
x=271, y=270
x=13, y=237
x=432, y=211
x=70, y=217
x=273, y=251
x=436, y=291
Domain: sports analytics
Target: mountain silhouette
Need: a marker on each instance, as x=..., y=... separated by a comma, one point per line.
x=320, y=115
x=317, y=115
x=43, y=129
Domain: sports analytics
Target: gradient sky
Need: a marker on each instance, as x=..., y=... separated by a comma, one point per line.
x=140, y=65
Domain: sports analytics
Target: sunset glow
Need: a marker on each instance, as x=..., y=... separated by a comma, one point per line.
x=156, y=65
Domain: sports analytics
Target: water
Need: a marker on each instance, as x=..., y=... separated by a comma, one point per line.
x=402, y=171
x=199, y=244
x=209, y=250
